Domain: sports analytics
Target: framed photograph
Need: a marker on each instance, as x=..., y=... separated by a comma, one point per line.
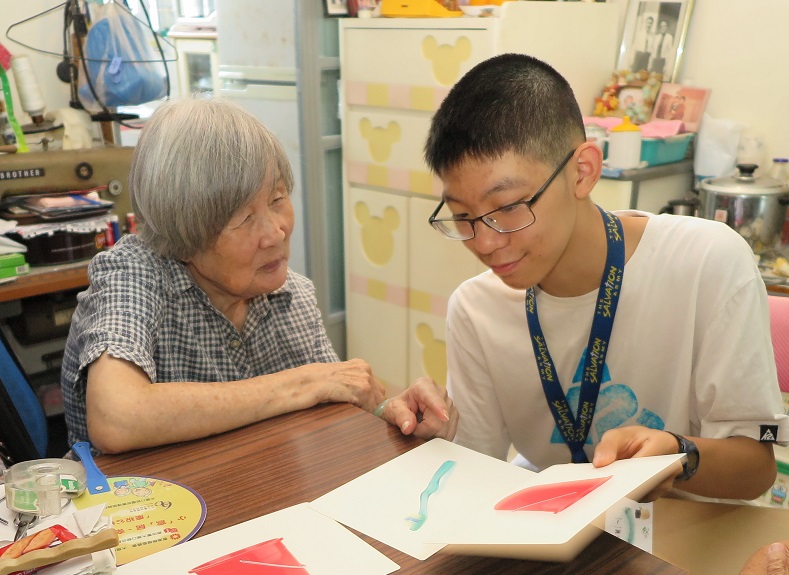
x=677, y=102
x=654, y=37
x=336, y=8
x=629, y=94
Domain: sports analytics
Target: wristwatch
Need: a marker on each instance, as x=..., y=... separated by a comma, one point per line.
x=691, y=464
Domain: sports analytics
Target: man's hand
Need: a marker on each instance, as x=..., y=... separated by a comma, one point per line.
x=637, y=441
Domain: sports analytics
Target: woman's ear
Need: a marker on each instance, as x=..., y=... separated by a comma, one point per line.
x=590, y=165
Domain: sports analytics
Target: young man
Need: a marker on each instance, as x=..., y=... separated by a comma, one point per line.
x=644, y=45
x=653, y=325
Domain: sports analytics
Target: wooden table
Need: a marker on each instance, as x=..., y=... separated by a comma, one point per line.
x=298, y=457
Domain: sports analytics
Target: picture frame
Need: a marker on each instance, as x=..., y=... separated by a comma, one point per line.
x=336, y=8
x=679, y=102
x=629, y=94
x=654, y=35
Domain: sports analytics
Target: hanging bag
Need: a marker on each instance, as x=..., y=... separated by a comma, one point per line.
x=121, y=65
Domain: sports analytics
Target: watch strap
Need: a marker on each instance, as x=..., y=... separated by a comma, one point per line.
x=691, y=463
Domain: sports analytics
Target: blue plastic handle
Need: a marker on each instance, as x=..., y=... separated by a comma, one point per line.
x=97, y=481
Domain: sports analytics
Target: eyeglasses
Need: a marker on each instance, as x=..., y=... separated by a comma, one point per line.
x=510, y=218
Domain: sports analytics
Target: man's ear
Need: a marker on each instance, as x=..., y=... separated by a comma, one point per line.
x=590, y=165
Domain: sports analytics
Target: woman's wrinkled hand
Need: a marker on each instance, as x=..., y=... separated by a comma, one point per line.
x=771, y=559
x=349, y=381
x=424, y=410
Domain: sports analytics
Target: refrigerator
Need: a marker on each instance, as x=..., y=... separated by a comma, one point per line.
x=257, y=50
x=280, y=60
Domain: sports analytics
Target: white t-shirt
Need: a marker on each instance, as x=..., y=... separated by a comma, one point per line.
x=690, y=350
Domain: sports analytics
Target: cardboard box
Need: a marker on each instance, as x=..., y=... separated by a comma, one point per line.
x=12, y=272
x=12, y=260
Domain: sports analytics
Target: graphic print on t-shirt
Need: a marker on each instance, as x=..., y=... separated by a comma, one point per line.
x=617, y=405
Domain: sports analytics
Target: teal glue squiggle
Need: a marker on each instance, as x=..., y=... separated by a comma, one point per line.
x=631, y=525
x=419, y=519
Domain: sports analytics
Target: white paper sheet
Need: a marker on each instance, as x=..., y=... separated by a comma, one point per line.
x=462, y=514
x=321, y=545
x=632, y=522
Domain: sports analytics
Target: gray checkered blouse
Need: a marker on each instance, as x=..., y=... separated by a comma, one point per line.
x=147, y=310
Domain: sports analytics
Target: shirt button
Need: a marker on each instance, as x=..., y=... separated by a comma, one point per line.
x=235, y=343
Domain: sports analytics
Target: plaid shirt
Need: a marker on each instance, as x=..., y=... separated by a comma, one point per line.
x=148, y=310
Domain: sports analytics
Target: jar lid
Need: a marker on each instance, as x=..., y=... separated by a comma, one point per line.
x=745, y=182
x=625, y=126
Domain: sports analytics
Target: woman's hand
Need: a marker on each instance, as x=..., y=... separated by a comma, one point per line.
x=349, y=381
x=424, y=410
x=771, y=559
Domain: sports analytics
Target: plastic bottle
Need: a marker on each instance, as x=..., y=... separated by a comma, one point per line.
x=116, y=228
x=131, y=223
x=624, y=145
x=780, y=170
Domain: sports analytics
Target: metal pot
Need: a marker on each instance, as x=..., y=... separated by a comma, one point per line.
x=681, y=207
x=754, y=206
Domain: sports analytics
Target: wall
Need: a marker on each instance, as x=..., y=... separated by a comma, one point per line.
x=43, y=33
x=38, y=33
x=739, y=49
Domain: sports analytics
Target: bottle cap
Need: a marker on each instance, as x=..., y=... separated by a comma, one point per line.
x=625, y=126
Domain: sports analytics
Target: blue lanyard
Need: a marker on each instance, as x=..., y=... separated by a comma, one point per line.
x=575, y=428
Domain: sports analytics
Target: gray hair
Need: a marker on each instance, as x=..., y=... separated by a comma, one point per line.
x=198, y=161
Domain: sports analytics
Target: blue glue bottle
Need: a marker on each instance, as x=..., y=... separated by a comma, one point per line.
x=116, y=228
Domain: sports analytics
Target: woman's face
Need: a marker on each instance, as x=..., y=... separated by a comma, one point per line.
x=250, y=256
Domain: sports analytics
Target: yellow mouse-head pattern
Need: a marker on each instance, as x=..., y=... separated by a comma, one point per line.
x=377, y=239
x=434, y=354
x=446, y=58
x=380, y=140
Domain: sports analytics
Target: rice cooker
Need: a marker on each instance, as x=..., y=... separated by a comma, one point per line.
x=754, y=206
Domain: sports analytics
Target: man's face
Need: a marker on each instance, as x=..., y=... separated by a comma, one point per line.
x=526, y=257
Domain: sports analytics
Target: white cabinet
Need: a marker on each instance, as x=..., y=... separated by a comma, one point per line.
x=197, y=63
x=395, y=73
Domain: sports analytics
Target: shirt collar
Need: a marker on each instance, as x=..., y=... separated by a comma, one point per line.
x=182, y=281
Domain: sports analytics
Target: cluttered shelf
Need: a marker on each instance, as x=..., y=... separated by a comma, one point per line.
x=46, y=279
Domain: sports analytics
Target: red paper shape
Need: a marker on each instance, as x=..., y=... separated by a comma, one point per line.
x=268, y=558
x=552, y=497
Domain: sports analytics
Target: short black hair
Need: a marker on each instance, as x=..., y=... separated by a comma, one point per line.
x=511, y=102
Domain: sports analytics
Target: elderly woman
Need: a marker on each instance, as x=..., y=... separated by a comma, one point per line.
x=202, y=301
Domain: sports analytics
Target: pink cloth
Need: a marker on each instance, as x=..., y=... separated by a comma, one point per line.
x=779, y=329
x=662, y=128
x=653, y=129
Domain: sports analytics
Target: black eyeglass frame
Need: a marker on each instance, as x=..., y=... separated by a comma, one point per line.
x=435, y=223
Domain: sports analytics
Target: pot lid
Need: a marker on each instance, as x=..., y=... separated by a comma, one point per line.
x=745, y=182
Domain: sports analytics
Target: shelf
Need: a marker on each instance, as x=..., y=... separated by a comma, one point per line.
x=46, y=279
x=651, y=172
